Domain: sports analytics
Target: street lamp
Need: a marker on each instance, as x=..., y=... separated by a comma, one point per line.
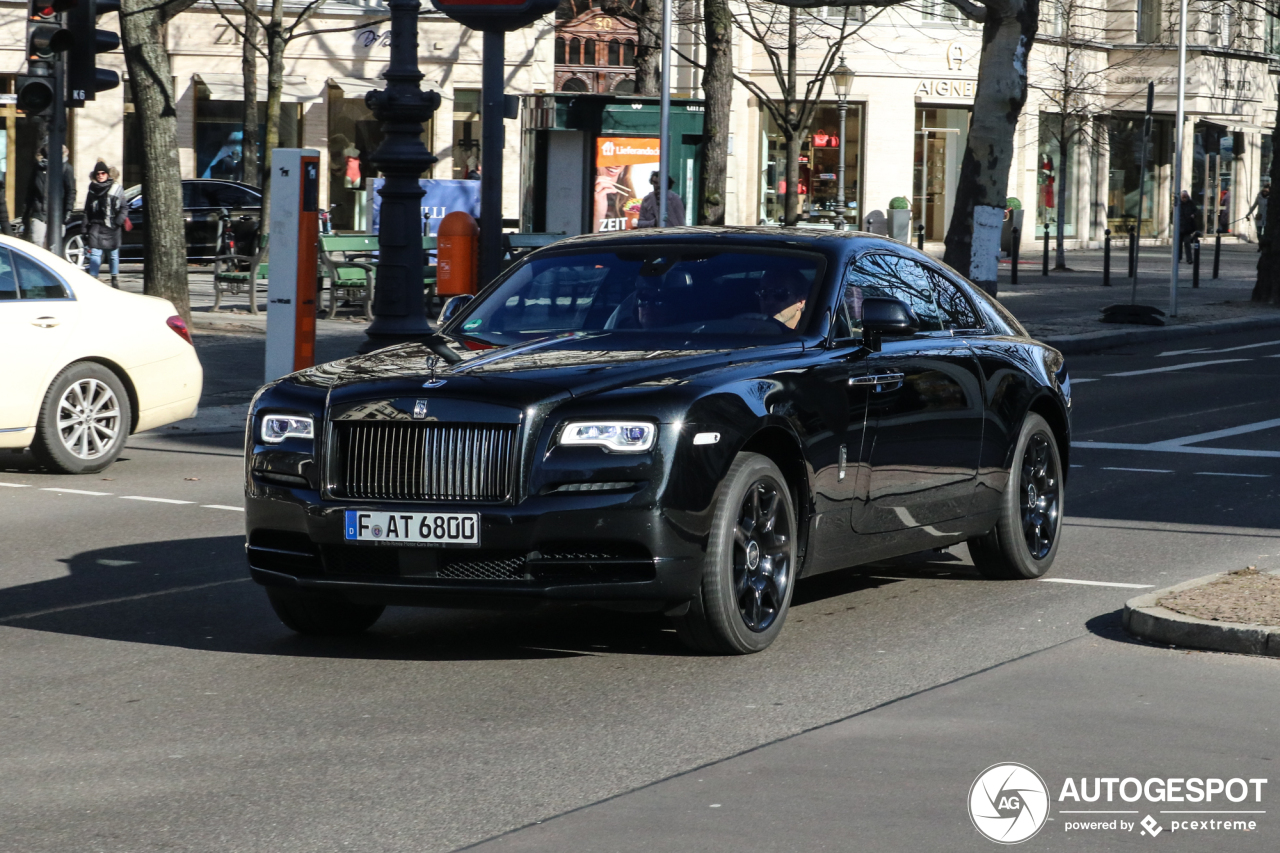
x=841, y=79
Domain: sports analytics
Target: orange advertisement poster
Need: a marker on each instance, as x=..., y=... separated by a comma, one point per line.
x=623, y=167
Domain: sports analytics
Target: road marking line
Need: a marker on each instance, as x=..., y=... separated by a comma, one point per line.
x=220, y=506
x=75, y=491
x=1228, y=474
x=1179, y=367
x=1161, y=448
x=1224, y=433
x=1207, y=350
x=1080, y=381
x=153, y=500
x=1098, y=583
x=1141, y=470
x=121, y=599
x=1077, y=466
x=16, y=485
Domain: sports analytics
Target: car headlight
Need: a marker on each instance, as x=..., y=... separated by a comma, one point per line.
x=276, y=428
x=618, y=436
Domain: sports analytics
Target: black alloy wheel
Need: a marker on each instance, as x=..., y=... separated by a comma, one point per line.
x=761, y=556
x=749, y=573
x=1024, y=542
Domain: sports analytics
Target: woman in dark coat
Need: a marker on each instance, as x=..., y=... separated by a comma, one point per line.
x=104, y=214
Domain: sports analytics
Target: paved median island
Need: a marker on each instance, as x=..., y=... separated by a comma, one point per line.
x=1226, y=612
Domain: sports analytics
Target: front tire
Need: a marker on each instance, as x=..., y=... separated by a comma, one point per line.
x=1024, y=543
x=73, y=249
x=750, y=569
x=84, y=420
x=318, y=615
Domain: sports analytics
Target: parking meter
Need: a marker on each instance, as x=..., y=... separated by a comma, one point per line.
x=291, y=280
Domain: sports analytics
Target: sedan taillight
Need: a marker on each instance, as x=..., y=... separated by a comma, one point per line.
x=175, y=322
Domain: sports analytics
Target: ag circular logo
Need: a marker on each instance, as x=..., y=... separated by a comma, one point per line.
x=1008, y=803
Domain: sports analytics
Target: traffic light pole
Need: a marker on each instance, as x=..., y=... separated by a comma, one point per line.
x=54, y=209
x=491, y=113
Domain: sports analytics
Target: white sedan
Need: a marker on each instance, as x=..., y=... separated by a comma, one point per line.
x=85, y=364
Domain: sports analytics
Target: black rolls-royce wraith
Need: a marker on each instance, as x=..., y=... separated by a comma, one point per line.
x=683, y=420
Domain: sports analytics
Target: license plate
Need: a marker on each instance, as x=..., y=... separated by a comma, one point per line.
x=422, y=528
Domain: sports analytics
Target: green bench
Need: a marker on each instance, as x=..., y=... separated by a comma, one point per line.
x=351, y=267
x=241, y=275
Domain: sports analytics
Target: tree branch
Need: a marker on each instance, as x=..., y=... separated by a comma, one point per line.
x=970, y=10
x=238, y=31
x=351, y=28
x=305, y=15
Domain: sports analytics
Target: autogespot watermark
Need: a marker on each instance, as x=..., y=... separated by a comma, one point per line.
x=1009, y=803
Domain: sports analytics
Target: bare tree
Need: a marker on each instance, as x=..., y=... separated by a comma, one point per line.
x=717, y=88
x=249, y=65
x=142, y=24
x=781, y=32
x=1008, y=32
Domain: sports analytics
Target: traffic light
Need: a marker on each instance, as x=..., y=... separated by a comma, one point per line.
x=46, y=38
x=84, y=78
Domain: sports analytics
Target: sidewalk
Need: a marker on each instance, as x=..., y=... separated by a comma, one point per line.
x=1063, y=309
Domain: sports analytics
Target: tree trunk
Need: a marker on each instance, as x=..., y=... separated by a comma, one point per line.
x=1267, y=287
x=648, y=47
x=276, y=45
x=791, y=208
x=164, y=238
x=717, y=86
x=249, y=63
x=973, y=238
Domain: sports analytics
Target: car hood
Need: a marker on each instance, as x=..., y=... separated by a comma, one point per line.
x=574, y=365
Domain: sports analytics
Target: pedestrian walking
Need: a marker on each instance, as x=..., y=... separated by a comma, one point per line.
x=104, y=215
x=5, y=227
x=1260, y=206
x=1188, y=218
x=35, y=213
x=649, y=207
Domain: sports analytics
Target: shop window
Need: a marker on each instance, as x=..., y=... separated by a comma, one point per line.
x=941, y=135
x=589, y=52
x=819, y=168
x=220, y=135
x=466, y=134
x=1056, y=176
x=562, y=56
x=354, y=136
x=629, y=53
x=615, y=52
x=1125, y=175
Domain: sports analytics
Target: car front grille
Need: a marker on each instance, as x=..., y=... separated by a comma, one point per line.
x=424, y=462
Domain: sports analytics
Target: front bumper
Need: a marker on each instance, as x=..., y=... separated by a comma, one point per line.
x=615, y=549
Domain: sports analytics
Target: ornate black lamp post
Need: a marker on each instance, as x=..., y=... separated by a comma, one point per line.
x=841, y=79
x=398, y=301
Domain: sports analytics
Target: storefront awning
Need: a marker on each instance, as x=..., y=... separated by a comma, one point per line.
x=356, y=87
x=230, y=87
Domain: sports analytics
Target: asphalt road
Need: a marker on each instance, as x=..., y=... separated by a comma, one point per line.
x=151, y=701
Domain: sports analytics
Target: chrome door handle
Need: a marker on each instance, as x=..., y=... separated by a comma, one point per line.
x=881, y=381
x=45, y=322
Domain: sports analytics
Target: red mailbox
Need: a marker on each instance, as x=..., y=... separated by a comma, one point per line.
x=457, y=254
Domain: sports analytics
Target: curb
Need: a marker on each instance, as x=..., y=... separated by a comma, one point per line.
x=1090, y=342
x=1147, y=620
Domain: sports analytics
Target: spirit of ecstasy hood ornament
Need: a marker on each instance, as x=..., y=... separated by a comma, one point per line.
x=432, y=363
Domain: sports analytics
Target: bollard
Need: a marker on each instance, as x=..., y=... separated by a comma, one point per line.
x=1195, y=261
x=1106, y=258
x=1133, y=247
x=1016, y=238
x=1217, y=250
x=1045, y=271
x=920, y=236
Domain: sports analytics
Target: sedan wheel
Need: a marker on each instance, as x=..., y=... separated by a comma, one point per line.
x=84, y=421
x=1025, y=541
x=750, y=568
x=73, y=250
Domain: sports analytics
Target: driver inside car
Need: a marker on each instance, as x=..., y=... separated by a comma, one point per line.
x=782, y=293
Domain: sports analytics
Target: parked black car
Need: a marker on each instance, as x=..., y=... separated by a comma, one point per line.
x=682, y=420
x=202, y=204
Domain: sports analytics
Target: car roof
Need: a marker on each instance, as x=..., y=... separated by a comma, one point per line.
x=746, y=236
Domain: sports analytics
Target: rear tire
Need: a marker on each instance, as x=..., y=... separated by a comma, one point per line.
x=751, y=563
x=317, y=615
x=73, y=249
x=84, y=420
x=1024, y=543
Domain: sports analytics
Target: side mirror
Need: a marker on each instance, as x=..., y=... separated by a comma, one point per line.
x=453, y=306
x=882, y=315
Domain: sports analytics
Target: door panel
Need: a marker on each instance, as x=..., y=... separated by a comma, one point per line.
x=34, y=333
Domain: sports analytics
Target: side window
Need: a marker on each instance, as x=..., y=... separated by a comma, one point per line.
x=231, y=196
x=36, y=282
x=193, y=195
x=897, y=278
x=8, y=280
x=953, y=306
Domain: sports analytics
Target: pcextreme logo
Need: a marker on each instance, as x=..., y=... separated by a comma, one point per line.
x=1009, y=803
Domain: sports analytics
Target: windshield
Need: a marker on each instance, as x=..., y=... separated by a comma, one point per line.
x=687, y=290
